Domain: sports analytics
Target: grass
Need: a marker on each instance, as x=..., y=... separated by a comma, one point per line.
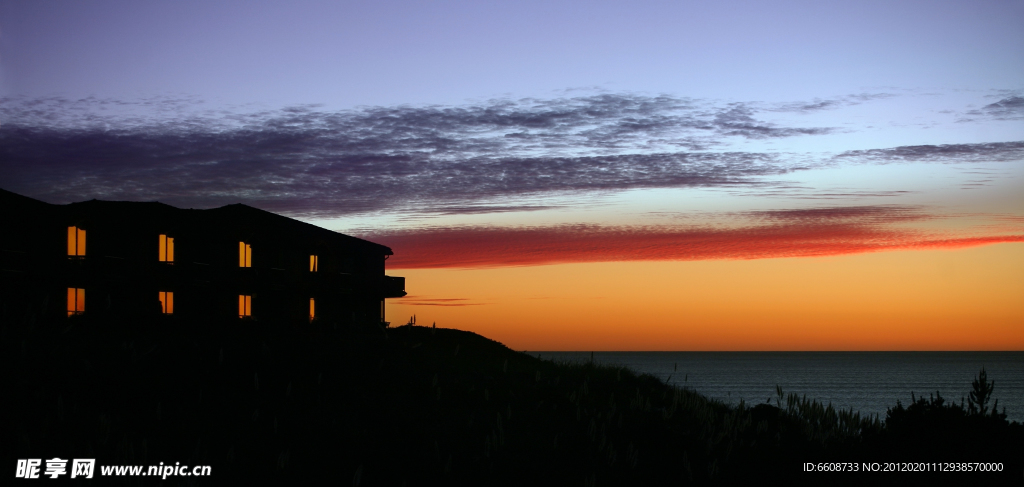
x=415, y=405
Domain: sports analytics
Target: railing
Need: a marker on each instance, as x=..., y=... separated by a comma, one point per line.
x=21, y=265
x=393, y=287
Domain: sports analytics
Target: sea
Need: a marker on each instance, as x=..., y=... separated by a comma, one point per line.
x=867, y=382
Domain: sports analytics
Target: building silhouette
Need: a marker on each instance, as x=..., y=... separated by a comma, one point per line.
x=102, y=259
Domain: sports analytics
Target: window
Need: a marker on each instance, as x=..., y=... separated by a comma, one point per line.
x=312, y=309
x=244, y=306
x=312, y=263
x=244, y=255
x=166, y=248
x=76, y=242
x=167, y=302
x=76, y=301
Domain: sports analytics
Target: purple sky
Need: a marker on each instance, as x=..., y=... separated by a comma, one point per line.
x=720, y=175
x=369, y=115
x=347, y=54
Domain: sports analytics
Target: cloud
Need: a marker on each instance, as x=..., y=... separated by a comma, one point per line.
x=305, y=161
x=818, y=104
x=858, y=215
x=1009, y=108
x=447, y=302
x=943, y=153
x=446, y=210
x=200, y=171
x=738, y=120
x=768, y=234
x=793, y=192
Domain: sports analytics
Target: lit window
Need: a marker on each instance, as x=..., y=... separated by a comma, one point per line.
x=76, y=301
x=76, y=242
x=167, y=302
x=244, y=255
x=166, y=249
x=312, y=309
x=312, y=263
x=244, y=306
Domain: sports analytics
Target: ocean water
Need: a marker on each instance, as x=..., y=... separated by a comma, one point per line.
x=868, y=382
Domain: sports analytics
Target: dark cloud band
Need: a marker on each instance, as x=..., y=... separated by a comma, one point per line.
x=308, y=162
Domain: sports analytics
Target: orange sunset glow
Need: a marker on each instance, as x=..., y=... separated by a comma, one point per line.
x=682, y=195
x=552, y=242
x=965, y=299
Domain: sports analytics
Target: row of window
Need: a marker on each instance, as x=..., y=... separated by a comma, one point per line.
x=76, y=248
x=166, y=248
x=76, y=242
x=76, y=303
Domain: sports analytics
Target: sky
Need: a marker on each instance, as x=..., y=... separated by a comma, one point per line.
x=570, y=175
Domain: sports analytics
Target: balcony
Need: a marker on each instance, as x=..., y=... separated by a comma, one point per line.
x=393, y=287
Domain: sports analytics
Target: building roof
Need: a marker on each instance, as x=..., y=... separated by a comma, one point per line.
x=230, y=217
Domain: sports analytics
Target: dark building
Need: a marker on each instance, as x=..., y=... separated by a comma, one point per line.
x=127, y=259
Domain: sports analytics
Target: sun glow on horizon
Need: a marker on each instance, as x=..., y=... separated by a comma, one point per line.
x=966, y=299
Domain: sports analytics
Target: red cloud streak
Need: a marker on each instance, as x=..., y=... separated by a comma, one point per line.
x=497, y=247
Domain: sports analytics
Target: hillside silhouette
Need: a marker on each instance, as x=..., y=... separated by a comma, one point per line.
x=417, y=405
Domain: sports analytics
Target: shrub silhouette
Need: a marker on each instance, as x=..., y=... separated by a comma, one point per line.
x=982, y=393
x=934, y=430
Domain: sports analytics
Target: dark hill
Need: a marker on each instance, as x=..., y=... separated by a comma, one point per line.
x=418, y=406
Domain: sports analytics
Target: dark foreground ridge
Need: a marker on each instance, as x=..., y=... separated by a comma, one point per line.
x=420, y=406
